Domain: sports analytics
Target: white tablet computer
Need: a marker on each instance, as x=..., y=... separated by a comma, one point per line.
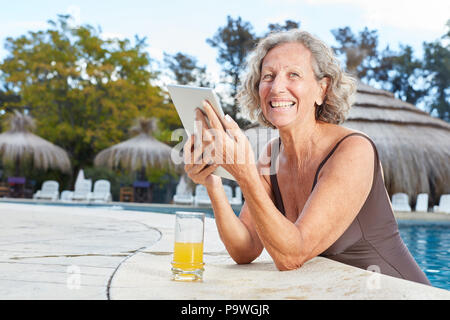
x=186, y=99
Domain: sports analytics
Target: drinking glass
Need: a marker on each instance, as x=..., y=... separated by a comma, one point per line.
x=187, y=263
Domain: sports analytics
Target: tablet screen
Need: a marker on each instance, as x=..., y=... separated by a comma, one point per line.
x=186, y=99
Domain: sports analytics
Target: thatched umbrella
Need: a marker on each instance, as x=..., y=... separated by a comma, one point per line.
x=414, y=148
x=19, y=143
x=139, y=152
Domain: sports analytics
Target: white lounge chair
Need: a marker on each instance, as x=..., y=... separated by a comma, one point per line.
x=229, y=192
x=183, y=199
x=82, y=191
x=422, y=202
x=102, y=191
x=237, y=199
x=444, y=204
x=400, y=202
x=66, y=195
x=201, y=196
x=49, y=190
x=183, y=194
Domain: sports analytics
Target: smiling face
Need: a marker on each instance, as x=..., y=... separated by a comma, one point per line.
x=288, y=89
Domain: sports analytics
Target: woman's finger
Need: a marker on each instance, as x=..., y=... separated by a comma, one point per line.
x=187, y=150
x=197, y=168
x=206, y=134
x=188, y=144
x=207, y=171
x=214, y=119
x=193, y=151
x=207, y=157
x=229, y=122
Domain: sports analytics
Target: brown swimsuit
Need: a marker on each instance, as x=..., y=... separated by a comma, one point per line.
x=372, y=239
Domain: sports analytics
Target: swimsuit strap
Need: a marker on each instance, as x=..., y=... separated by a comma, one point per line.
x=273, y=179
x=334, y=149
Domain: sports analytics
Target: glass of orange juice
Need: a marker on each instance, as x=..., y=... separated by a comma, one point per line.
x=187, y=263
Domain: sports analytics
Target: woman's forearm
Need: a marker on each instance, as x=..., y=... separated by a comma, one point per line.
x=232, y=231
x=281, y=238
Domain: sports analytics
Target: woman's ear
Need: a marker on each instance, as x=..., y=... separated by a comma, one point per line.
x=323, y=85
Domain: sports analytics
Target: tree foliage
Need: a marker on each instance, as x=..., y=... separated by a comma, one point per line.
x=359, y=51
x=233, y=42
x=185, y=70
x=288, y=25
x=83, y=91
x=399, y=72
x=419, y=81
x=437, y=68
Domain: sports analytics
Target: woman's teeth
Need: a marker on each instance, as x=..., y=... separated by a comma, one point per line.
x=281, y=104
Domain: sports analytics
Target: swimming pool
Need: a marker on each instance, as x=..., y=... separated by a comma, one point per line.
x=429, y=243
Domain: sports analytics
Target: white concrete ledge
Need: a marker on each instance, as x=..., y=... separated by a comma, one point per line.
x=39, y=245
x=146, y=275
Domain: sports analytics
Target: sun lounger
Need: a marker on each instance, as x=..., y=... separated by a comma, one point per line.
x=237, y=199
x=201, y=197
x=183, y=199
x=400, y=202
x=49, y=191
x=102, y=191
x=66, y=195
x=444, y=204
x=229, y=192
x=183, y=194
x=82, y=191
x=422, y=202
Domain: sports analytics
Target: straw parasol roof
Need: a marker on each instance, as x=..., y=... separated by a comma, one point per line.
x=18, y=143
x=139, y=152
x=414, y=148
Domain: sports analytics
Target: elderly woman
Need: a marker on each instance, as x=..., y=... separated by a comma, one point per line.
x=326, y=194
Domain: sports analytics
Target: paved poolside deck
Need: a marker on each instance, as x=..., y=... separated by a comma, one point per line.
x=61, y=252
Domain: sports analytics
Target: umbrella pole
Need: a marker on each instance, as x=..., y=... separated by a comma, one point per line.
x=17, y=167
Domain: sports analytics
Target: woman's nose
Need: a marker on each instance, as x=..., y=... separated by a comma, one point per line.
x=278, y=85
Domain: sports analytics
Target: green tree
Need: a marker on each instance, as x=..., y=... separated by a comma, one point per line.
x=233, y=42
x=83, y=91
x=437, y=68
x=288, y=25
x=399, y=72
x=7, y=98
x=359, y=51
x=185, y=70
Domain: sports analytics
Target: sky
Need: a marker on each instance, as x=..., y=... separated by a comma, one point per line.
x=173, y=26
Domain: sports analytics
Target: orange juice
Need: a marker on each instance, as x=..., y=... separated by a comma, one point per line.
x=188, y=255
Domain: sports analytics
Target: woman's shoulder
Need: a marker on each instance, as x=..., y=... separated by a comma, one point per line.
x=350, y=159
x=351, y=146
x=340, y=135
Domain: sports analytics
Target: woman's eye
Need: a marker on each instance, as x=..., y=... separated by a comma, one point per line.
x=294, y=75
x=267, y=76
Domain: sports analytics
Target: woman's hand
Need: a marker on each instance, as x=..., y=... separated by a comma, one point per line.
x=197, y=166
x=227, y=144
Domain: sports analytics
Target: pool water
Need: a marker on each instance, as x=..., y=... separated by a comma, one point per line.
x=429, y=243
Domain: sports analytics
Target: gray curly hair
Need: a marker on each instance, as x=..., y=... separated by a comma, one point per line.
x=340, y=92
